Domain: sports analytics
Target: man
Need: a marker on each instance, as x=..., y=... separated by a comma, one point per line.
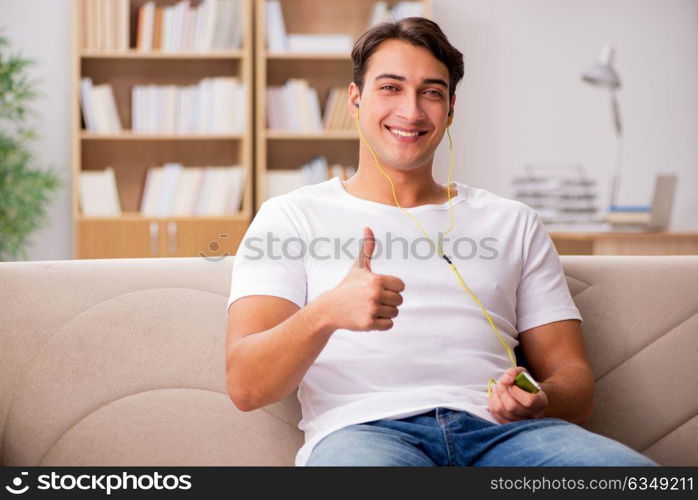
x=390, y=355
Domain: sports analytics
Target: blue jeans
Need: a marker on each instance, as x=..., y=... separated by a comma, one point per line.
x=443, y=437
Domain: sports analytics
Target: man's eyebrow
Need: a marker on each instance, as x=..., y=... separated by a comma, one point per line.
x=428, y=81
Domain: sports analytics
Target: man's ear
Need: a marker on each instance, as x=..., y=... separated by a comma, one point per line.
x=354, y=100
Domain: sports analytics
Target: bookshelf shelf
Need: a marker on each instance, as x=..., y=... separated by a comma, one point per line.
x=327, y=135
x=290, y=56
x=137, y=216
x=134, y=136
x=131, y=154
x=138, y=55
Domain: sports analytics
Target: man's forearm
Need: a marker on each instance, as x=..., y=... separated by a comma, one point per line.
x=267, y=366
x=570, y=392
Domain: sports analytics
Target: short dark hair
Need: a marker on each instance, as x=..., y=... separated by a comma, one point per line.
x=418, y=31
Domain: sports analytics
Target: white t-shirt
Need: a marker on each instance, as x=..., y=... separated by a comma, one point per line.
x=441, y=349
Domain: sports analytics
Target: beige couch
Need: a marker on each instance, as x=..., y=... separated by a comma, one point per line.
x=121, y=362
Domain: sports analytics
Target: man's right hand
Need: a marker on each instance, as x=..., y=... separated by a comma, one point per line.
x=364, y=300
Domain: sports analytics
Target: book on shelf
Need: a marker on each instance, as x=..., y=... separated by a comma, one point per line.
x=381, y=12
x=211, y=25
x=99, y=195
x=214, y=105
x=279, y=40
x=295, y=107
x=99, y=110
x=336, y=116
x=105, y=25
x=281, y=181
x=175, y=190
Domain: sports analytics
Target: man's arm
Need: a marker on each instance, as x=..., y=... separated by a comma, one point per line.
x=267, y=366
x=557, y=358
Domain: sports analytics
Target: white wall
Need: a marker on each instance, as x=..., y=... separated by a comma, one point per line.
x=41, y=30
x=521, y=100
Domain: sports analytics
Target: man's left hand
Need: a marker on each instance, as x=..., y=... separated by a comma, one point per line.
x=510, y=403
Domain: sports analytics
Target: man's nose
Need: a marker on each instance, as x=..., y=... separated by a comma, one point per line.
x=410, y=109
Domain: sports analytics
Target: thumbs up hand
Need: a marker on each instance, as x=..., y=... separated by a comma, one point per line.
x=364, y=300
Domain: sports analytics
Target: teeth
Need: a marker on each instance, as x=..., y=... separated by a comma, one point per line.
x=403, y=134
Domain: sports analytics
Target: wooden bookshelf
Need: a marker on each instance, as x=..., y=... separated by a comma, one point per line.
x=289, y=150
x=131, y=154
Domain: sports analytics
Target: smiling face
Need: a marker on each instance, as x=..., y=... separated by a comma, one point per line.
x=404, y=104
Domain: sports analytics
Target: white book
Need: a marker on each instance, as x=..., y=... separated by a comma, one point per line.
x=86, y=104
x=204, y=194
x=189, y=28
x=187, y=190
x=276, y=30
x=151, y=191
x=148, y=21
x=123, y=25
x=216, y=200
x=226, y=91
x=319, y=43
x=239, y=109
x=208, y=24
x=168, y=188
x=107, y=116
x=314, y=113
x=98, y=193
x=170, y=103
x=379, y=13
x=234, y=40
x=284, y=181
x=336, y=170
x=236, y=188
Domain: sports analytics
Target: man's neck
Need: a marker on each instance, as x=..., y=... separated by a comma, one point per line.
x=413, y=188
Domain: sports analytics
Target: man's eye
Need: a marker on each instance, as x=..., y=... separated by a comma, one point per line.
x=388, y=87
x=434, y=92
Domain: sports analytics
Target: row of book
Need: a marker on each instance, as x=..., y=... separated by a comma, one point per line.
x=169, y=191
x=174, y=190
x=279, y=40
x=214, y=105
x=295, y=106
x=212, y=25
x=280, y=181
x=105, y=25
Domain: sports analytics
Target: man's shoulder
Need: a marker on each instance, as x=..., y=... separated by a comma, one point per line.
x=302, y=196
x=482, y=198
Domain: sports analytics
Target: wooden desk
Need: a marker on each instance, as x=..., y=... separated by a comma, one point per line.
x=617, y=243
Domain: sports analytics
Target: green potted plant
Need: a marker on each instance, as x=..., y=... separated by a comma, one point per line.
x=24, y=190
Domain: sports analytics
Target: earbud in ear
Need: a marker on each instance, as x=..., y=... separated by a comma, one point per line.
x=356, y=104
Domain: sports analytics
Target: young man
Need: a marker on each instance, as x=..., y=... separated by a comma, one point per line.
x=336, y=291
